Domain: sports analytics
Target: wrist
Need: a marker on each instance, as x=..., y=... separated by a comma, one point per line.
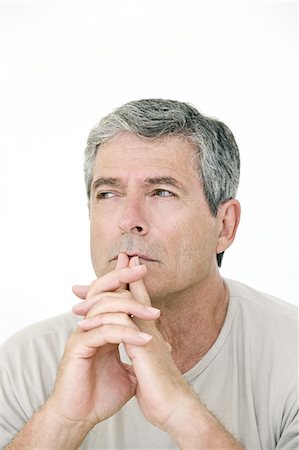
x=66, y=430
x=194, y=426
x=47, y=430
x=185, y=419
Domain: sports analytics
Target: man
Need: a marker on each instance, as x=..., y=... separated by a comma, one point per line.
x=168, y=354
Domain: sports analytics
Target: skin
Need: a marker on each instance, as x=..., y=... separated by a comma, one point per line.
x=152, y=244
x=178, y=231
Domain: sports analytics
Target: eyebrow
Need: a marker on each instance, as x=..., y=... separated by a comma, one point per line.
x=163, y=180
x=150, y=181
x=106, y=182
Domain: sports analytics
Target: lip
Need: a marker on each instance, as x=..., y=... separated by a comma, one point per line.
x=140, y=256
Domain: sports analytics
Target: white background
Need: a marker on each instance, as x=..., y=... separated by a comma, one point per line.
x=65, y=64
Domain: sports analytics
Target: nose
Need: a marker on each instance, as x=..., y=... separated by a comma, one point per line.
x=133, y=218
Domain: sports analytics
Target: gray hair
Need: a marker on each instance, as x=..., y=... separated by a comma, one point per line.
x=217, y=153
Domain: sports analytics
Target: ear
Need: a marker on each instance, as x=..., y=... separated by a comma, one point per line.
x=228, y=218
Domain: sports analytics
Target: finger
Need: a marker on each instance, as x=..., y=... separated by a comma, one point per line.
x=121, y=263
x=114, y=280
x=137, y=287
x=131, y=373
x=80, y=290
x=114, y=334
x=82, y=308
x=114, y=318
x=107, y=319
x=116, y=302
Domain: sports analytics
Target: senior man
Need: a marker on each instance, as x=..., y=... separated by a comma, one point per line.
x=168, y=354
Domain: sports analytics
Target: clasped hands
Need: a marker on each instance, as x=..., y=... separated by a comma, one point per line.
x=93, y=383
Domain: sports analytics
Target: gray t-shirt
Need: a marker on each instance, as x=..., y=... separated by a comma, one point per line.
x=248, y=379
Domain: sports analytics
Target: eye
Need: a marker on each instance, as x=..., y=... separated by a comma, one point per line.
x=163, y=193
x=105, y=195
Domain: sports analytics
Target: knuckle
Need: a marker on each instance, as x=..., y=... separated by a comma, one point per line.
x=105, y=298
x=126, y=332
x=102, y=329
x=95, y=298
x=73, y=340
x=125, y=294
x=93, y=287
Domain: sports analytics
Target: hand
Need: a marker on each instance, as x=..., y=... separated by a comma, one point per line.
x=162, y=392
x=160, y=389
x=92, y=383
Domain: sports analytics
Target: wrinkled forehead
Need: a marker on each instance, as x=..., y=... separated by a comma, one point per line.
x=127, y=146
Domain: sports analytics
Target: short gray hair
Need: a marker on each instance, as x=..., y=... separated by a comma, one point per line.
x=217, y=153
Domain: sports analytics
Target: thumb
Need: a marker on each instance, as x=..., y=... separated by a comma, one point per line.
x=137, y=288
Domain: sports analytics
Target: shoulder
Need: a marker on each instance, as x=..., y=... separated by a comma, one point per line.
x=269, y=309
x=266, y=334
x=50, y=334
x=265, y=325
x=264, y=340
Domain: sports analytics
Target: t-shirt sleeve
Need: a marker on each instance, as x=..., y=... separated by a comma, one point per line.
x=29, y=363
x=12, y=417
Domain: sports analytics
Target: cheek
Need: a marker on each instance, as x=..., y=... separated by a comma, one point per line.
x=100, y=227
x=99, y=243
x=95, y=233
x=196, y=242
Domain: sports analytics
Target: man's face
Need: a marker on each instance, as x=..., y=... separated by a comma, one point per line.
x=147, y=200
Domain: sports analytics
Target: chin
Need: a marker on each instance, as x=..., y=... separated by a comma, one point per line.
x=102, y=269
x=155, y=287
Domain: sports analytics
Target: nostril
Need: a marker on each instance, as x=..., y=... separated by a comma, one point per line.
x=137, y=228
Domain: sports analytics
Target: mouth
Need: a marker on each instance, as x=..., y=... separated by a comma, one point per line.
x=141, y=256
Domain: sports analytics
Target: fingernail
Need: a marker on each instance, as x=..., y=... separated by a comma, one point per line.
x=144, y=336
x=135, y=261
x=153, y=310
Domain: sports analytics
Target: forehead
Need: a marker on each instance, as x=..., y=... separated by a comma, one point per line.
x=130, y=154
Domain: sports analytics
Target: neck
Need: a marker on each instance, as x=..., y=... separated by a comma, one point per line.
x=192, y=321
